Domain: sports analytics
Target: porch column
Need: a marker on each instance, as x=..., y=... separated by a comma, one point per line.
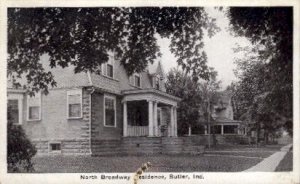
x=222, y=129
x=172, y=122
x=175, y=121
x=190, y=130
x=155, y=119
x=124, y=118
x=150, y=118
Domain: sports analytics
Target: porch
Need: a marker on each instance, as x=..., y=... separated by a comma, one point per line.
x=149, y=112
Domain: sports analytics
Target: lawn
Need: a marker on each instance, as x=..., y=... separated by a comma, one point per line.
x=243, y=150
x=239, y=147
x=286, y=164
x=218, y=159
x=160, y=163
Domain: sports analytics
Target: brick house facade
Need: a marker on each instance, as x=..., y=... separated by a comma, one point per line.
x=87, y=108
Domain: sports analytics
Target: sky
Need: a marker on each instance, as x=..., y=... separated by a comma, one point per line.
x=219, y=49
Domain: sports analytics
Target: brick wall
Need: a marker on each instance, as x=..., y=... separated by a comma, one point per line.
x=55, y=126
x=99, y=131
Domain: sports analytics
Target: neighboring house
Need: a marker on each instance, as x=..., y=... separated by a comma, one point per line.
x=222, y=116
x=86, y=107
x=219, y=122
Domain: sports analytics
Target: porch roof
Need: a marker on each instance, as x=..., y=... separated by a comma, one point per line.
x=150, y=94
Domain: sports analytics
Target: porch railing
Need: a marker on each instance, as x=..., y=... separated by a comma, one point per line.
x=137, y=130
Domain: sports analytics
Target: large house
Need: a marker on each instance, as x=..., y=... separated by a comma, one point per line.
x=86, y=108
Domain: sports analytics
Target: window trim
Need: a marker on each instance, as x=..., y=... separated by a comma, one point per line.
x=40, y=105
x=115, y=111
x=74, y=92
x=18, y=97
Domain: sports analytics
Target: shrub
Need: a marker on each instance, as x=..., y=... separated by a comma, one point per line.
x=19, y=149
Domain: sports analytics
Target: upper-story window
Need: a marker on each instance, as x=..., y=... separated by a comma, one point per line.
x=135, y=80
x=74, y=103
x=34, y=107
x=108, y=67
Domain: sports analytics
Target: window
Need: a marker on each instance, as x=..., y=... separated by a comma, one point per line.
x=108, y=68
x=230, y=129
x=34, y=107
x=109, y=111
x=75, y=103
x=55, y=147
x=216, y=129
x=13, y=109
x=137, y=80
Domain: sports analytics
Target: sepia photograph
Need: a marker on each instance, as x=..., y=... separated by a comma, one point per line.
x=143, y=94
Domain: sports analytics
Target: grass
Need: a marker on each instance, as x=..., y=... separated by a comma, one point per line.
x=221, y=158
x=239, y=147
x=160, y=163
x=243, y=150
x=286, y=163
x=258, y=154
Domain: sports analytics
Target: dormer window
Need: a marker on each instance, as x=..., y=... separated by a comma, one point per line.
x=135, y=80
x=108, y=68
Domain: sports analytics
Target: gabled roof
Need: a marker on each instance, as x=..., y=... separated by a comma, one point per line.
x=67, y=78
x=64, y=77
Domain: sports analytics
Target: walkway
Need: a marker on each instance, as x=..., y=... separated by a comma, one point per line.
x=269, y=164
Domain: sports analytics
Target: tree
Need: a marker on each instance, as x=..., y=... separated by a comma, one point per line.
x=265, y=78
x=209, y=91
x=181, y=85
x=83, y=36
x=193, y=96
x=19, y=149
